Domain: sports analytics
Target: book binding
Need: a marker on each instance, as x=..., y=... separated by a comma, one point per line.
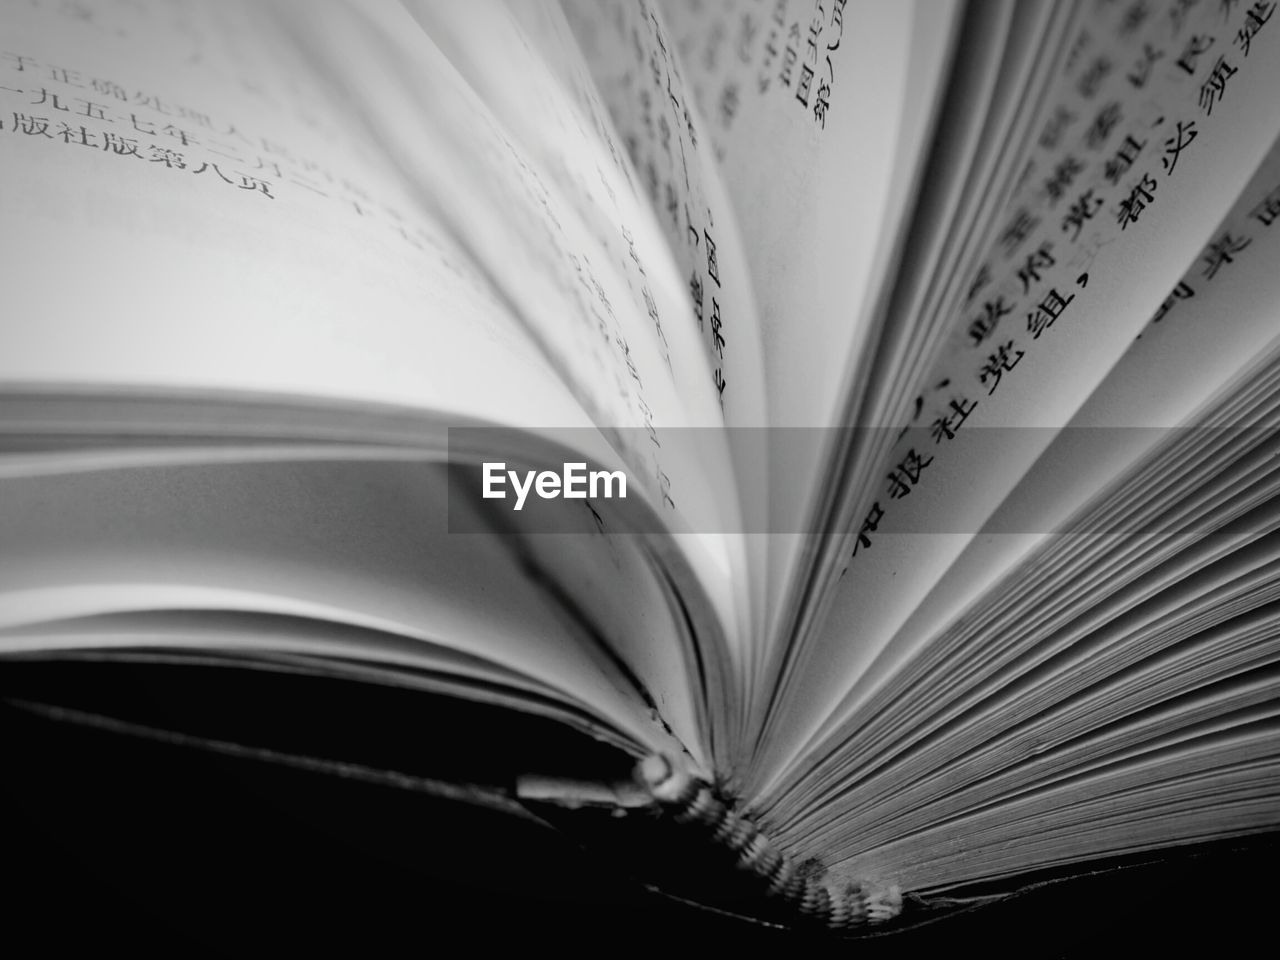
x=696, y=803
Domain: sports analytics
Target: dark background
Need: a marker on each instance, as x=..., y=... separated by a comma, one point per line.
x=115, y=840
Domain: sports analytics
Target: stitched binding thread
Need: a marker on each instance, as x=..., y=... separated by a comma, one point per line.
x=693, y=801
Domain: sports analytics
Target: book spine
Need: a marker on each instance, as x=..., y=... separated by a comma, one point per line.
x=695, y=802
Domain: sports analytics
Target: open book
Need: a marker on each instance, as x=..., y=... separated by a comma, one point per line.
x=856, y=417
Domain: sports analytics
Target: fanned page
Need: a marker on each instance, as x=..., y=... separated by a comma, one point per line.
x=157, y=555
x=937, y=490
x=619, y=63
x=841, y=98
x=1150, y=612
x=980, y=674
x=294, y=266
x=819, y=119
x=557, y=113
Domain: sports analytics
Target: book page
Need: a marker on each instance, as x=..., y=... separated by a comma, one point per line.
x=818, y=113
x=195, y=214
x=587, y=311
x=307, y=204
x=817, y=181
x=1170, y=104
x=291, y=539
x=1152, y=484
x=982, y=134
x=1114, y=637
x=327, y=245
x=534, y=194
x=261, y=638
x=629, y=79
x=1204, y=337
x=634, y=67
x=524, y=61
